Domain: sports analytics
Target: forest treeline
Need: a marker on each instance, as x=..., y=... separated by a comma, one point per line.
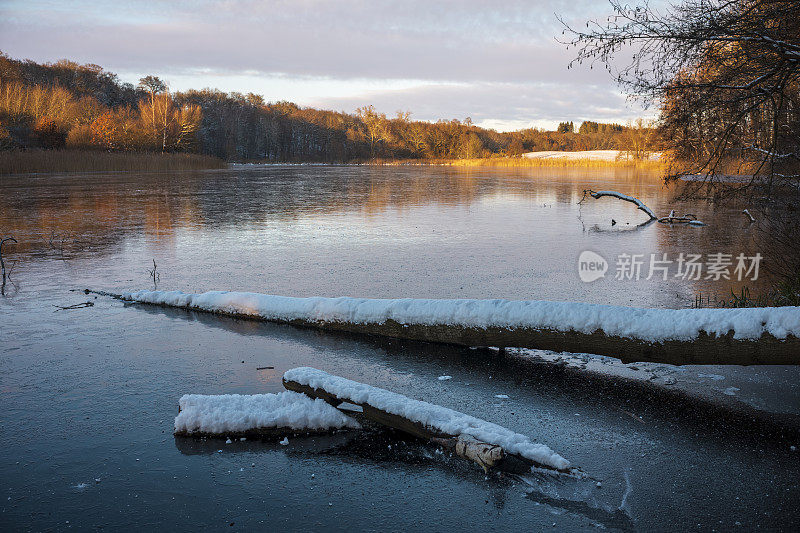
x=69, y=105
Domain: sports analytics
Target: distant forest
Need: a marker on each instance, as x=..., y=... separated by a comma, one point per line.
x=69, y=105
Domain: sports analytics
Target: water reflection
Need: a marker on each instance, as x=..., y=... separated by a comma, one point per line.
x=376, y=447
x=261, y=210
x=110, y=206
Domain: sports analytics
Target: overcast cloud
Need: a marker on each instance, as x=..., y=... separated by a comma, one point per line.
x=496, y=62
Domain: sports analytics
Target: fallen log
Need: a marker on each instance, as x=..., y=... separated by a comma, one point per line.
x=688, y=218
x=750, y=336
x=669, y=219
x=487, y=444
x=618, y=195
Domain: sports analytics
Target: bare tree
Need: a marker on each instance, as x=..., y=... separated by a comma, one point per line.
x=375, y=124
x=154, y=87
x=726, y=74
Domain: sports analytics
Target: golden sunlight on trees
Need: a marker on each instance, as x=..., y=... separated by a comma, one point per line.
x=638, y=139
x=84, y=107
x=52, y=117
x=24, y=107
x=375, y=126
x=168, y=127
x=726, y=74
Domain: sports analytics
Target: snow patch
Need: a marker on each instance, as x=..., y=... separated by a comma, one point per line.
x=235, y=413
x=586, y=155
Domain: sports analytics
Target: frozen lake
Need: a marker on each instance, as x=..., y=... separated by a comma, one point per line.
x=89, y=395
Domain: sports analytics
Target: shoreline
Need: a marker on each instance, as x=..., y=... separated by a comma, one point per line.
x=523, y=162
x=68, y=161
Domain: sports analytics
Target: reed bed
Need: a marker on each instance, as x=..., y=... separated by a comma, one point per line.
x=45, y=161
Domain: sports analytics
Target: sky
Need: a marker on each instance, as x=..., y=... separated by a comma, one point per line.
x=497, y=62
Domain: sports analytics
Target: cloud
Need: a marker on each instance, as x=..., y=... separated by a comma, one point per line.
x=458, y=52
x=501, y=106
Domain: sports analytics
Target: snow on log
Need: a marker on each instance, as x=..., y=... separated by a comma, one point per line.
x=233, y=415
x=614, y=194
x=653, y=325
x=475, y=439
x=758, y=335
x=669, y=219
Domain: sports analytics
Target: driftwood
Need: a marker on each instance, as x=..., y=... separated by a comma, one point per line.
x=154, y=275
x=74, y=306
x=2, y=263
x=688, y=218
x=487, y=456
x=614, y=194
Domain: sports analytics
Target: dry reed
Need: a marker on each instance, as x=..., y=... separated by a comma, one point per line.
x=45, y=161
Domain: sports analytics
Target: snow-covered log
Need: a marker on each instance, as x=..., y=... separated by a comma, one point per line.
x=760, y=335
x=614, y=194
x=272, y=415
x=669, y=219
x=688, y=218
x=485, y=443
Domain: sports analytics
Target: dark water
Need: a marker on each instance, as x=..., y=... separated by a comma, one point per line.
x=89, y=394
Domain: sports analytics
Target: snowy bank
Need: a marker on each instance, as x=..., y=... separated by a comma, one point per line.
x=650, y=325
x=440, y=419
x=586, y=155
x=233, y=414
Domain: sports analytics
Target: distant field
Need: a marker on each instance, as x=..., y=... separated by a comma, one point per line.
x=37, y=161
